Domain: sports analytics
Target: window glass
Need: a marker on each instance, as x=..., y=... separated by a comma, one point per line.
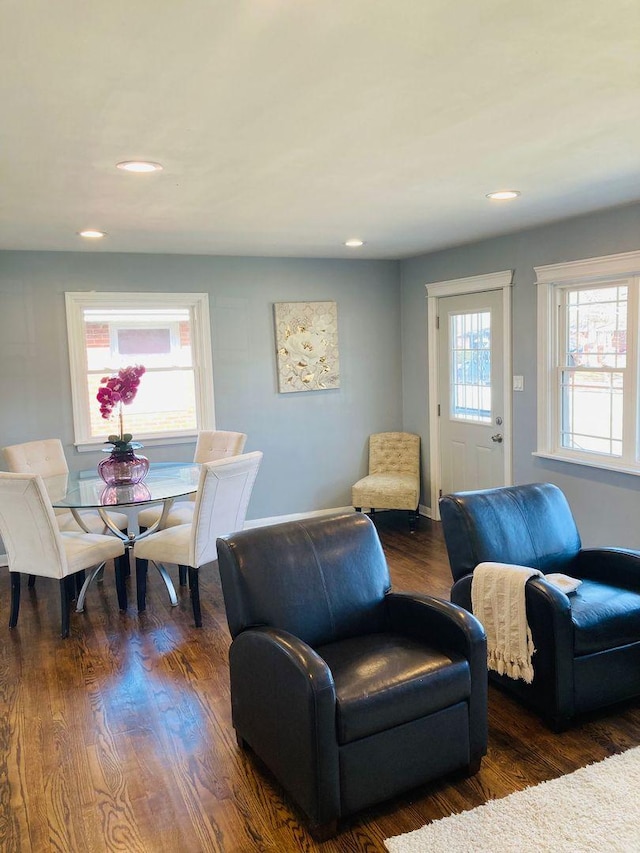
x=470, y=361
x=597, y=327
x=592, y=395
x=592, y=407
x=174, y=397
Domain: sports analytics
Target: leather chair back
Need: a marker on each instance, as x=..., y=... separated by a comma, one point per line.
x=529, y=525
x=328, y=583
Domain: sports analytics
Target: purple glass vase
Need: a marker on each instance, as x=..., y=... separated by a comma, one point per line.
x=123, y=468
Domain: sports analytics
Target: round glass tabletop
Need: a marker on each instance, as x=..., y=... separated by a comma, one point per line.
x=86, y=490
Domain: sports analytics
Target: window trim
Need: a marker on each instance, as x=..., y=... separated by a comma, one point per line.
x=550, y=280
x=198, y=304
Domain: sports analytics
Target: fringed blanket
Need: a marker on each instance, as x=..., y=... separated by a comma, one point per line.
x=497, y=597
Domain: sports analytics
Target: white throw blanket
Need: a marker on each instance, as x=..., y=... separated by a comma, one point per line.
x=497, y=598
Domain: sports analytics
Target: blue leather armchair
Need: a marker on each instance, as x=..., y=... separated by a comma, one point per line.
x=348, y=692
x=587, y=643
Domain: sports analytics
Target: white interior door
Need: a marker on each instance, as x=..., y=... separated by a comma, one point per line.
x=471, y=391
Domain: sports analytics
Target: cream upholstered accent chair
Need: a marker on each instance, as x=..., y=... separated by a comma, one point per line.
x=393, y=481
x=36, y=546
x=222, y=499
x=47, y=458
x=211, y=445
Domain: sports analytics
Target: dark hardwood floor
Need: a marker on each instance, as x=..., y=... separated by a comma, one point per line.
x=120, y=738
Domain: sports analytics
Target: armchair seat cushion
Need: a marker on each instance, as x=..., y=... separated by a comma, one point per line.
x=387, y=491
x=385, y=680
x=604, y=617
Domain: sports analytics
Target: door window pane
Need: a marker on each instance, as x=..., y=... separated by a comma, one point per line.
x=470, y=362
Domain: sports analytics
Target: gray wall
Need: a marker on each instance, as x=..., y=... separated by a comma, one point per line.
x=606, y=504
x=315, y=443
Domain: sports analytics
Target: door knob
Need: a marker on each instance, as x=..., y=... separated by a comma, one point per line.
x=497, y=438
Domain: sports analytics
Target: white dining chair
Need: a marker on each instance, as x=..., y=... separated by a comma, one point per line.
x=222, y=499
x=46, y=457
x=211, y=445
x=35, y=545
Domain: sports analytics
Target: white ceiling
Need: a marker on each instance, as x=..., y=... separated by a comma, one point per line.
x=287, y=126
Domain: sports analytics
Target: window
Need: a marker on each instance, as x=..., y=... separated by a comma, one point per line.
x=588, y=376
x=470, y=357
x=167, y=333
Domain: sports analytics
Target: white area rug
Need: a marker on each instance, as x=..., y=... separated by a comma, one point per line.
x=593, y=810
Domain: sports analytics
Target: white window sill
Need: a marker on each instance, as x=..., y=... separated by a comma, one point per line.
x=157, y=441
x=599, y=462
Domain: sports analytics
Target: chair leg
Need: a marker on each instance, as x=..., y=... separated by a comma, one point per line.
x=15, y=599
x=358, y=508
x=141, y=584
x=70, y=587
x=473, y=767
x=195, y=596
x=79, y=578
x=32, y=581
x=413, y=514
x=324, y=831
x=123, y=563
x=182, y=575
x=121, y=577
x=558, y=723
x=66, y=590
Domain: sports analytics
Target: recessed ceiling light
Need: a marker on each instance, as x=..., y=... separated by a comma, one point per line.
x=90, y=234
x=354, y=243
x=504, y=195
x=139, y=166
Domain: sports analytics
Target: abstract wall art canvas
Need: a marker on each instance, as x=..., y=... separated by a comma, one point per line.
x=307, y=346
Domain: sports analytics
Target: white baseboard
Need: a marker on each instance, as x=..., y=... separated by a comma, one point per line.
x=278, y=519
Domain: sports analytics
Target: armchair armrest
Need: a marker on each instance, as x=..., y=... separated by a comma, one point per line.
x=447, y=626
x=549, y=617
x=435, y=620
x=617, y=566
x=283, y=704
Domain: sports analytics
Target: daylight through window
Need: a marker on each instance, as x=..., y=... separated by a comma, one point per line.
x=589, y=393
x=166, y=336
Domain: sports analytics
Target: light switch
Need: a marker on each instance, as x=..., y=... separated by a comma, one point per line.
x=518, y=383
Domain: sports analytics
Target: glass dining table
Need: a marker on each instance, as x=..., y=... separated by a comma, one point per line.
x=84, y=490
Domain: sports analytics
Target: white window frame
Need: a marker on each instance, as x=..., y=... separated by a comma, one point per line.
x=551, y=280
x=198, y=305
